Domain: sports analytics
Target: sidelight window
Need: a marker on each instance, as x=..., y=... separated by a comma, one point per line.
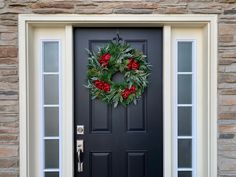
x=51, y=115
x=185, y=109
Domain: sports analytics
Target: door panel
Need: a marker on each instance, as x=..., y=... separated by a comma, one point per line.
x=101, y=164
x=101, y=123
x=137, y=162
x=122, y=141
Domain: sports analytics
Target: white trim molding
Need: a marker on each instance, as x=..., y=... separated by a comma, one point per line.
x=29, y=22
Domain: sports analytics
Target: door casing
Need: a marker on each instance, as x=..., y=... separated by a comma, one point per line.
x=27, y=24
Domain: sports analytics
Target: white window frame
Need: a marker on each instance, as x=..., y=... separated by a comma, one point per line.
x=205, y=21
x=176, y=105
x=59, y=105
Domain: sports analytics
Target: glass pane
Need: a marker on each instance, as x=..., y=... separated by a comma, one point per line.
x=184, y=121
x=184, y=89
x=51, y=154
x=51, y=117
x=184, y=56
x=184, y=174
x=51, y=56
x=51, y=174
x=51, y=89
x=184, y=153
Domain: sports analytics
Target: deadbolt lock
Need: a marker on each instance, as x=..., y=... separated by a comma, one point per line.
x=80, y=129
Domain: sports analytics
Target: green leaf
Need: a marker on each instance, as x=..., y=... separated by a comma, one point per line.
x=94, y=97
x=115, y=104
x=86, y=86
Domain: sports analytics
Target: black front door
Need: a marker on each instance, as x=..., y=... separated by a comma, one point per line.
x=122, y=141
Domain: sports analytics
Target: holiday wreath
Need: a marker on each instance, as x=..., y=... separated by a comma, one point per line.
x=117, y=57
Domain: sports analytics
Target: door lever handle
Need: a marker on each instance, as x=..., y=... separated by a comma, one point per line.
x=80, y=152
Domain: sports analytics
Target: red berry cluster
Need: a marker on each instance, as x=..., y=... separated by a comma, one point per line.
x=127, y=92
x=104, y=59
x=133, y=64
x=102, y=85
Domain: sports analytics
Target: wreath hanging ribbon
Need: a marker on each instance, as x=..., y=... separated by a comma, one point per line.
x=117, y=57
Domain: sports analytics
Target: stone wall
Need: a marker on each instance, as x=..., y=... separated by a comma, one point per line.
x=9, y=84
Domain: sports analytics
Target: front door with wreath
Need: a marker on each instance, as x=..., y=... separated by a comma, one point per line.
x=119, y=119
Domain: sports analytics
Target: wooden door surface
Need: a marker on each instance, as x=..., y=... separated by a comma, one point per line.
x=122, y=141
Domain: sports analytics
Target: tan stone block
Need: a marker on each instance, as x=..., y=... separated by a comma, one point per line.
x=8, y=28
x=130, y=5
x=171, y=9
x=12, y=17
x=227, y=78
x=227, y=144
x=226, y=38
x=84, y=5
x=227, y=29
x=227, y=57
x=230, y=68
x=8, y=130
x=2, y=4
x=228, y=92
x=11, y=79
x=176, y=10
x=23, y=1
x=94, y=11
x=9, y=86
x=132, y=11
x=9, y=151
x=11, y=124
x=205, y=8
x=8, y=43
x=9, y=174
x=227, y=160
x=226, y=85
x=11, y=11
x=228, y=54
x=116, y=0
x=8, y=61
x=227, y=128
x=230, y=116
x=227, y=61
x=8, y=71
x=52, y=5
x=8, y=138
x=9, y=163
x=227, y=100
x=226, y=1
x=70, y=1
x=8, y=118
x=8, y=36
x=9, y=106
x=226, y=109
x=8, y=22
x=52, y=11
x=8, y=52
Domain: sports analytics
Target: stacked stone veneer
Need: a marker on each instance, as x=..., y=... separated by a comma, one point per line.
x=9, y=81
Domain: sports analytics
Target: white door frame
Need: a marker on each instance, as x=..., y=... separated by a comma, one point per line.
x=28, y=22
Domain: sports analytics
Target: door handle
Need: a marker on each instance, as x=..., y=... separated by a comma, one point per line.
x=80, y=153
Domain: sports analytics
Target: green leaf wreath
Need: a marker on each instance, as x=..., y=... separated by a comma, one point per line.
x=113, y=58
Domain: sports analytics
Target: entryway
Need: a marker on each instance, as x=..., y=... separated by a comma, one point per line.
x=122, y=141
x=171, y=132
